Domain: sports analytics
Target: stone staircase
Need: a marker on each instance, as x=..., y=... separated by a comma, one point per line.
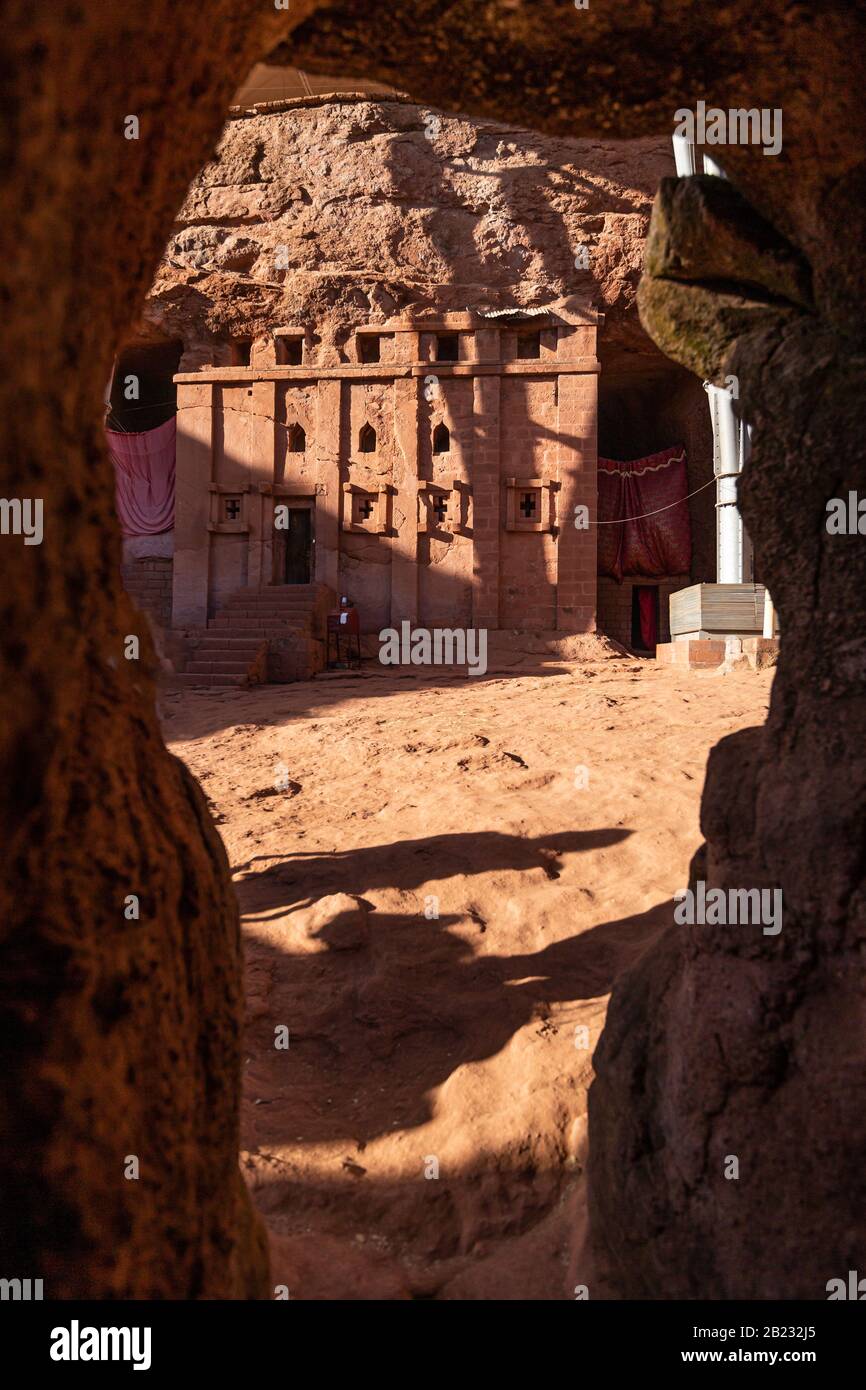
x=274, y=634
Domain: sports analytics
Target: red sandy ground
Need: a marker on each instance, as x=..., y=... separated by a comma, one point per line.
x=458, y=1040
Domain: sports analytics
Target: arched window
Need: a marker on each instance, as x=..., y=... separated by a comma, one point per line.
x=297, y=439
x=441, y=440
x=367, y=440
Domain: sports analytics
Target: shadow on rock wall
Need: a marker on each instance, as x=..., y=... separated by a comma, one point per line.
x=127, y=1036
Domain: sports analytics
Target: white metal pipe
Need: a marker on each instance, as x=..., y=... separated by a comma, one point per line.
x=687, y=159
x=747, y=565
x=711, y=167
x=729, y=432
x=684, y=155
x=729, y=533
x=733, y=549
x=108, y=386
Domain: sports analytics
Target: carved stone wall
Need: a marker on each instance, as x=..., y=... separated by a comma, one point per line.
x=125, y=1035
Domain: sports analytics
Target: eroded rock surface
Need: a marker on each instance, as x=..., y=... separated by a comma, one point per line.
x=121, y=1050
x=124, y=1031
x=345, y=211
x=729, y=1042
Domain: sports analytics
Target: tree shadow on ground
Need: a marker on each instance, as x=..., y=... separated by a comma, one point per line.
x=406, y=864
x=383, y=1007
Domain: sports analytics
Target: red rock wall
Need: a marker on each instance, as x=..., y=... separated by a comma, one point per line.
x=372, y=206
x=339, y=212
x=126, y=1039
x=123, y=1033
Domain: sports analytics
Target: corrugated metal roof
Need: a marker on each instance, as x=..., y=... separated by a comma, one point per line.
x=515, y=313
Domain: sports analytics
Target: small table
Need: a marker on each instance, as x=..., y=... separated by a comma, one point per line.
x=344, y=629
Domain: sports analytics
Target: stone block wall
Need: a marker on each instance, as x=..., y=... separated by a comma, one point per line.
x=149, y=583
x=615, y=605
x=352, y=444
x=294, y=658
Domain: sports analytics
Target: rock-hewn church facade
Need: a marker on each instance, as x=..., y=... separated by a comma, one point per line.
x=392, y=379
x=444, y=476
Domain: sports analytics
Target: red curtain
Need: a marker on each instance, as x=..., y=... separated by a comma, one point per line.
x=636, y=543
x=647, y=602
x=144, y=478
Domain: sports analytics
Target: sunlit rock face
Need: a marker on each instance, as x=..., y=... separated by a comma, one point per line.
x=345, y=211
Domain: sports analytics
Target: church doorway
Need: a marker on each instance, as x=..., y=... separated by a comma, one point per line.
x=294, y=558
x=645, y=618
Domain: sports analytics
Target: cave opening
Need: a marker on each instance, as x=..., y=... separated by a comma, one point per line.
x=289, y=350
x=561, y=388
x=143, y=394
x=389, y=903
x=645, y=403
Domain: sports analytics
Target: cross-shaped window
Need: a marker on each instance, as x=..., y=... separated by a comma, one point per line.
x=528, y=502
x=440, y=507
x=365, y=508
x=232, y=508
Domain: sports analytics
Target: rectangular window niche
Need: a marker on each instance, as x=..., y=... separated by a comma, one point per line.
x=530, y=504
x=443, y=508
x=367, y=509
x=228, y=508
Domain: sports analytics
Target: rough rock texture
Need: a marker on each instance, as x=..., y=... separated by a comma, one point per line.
x=726, y=1041
x=622, y=70
x=124, y=1034
x=87, y=214
x=344, y=211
